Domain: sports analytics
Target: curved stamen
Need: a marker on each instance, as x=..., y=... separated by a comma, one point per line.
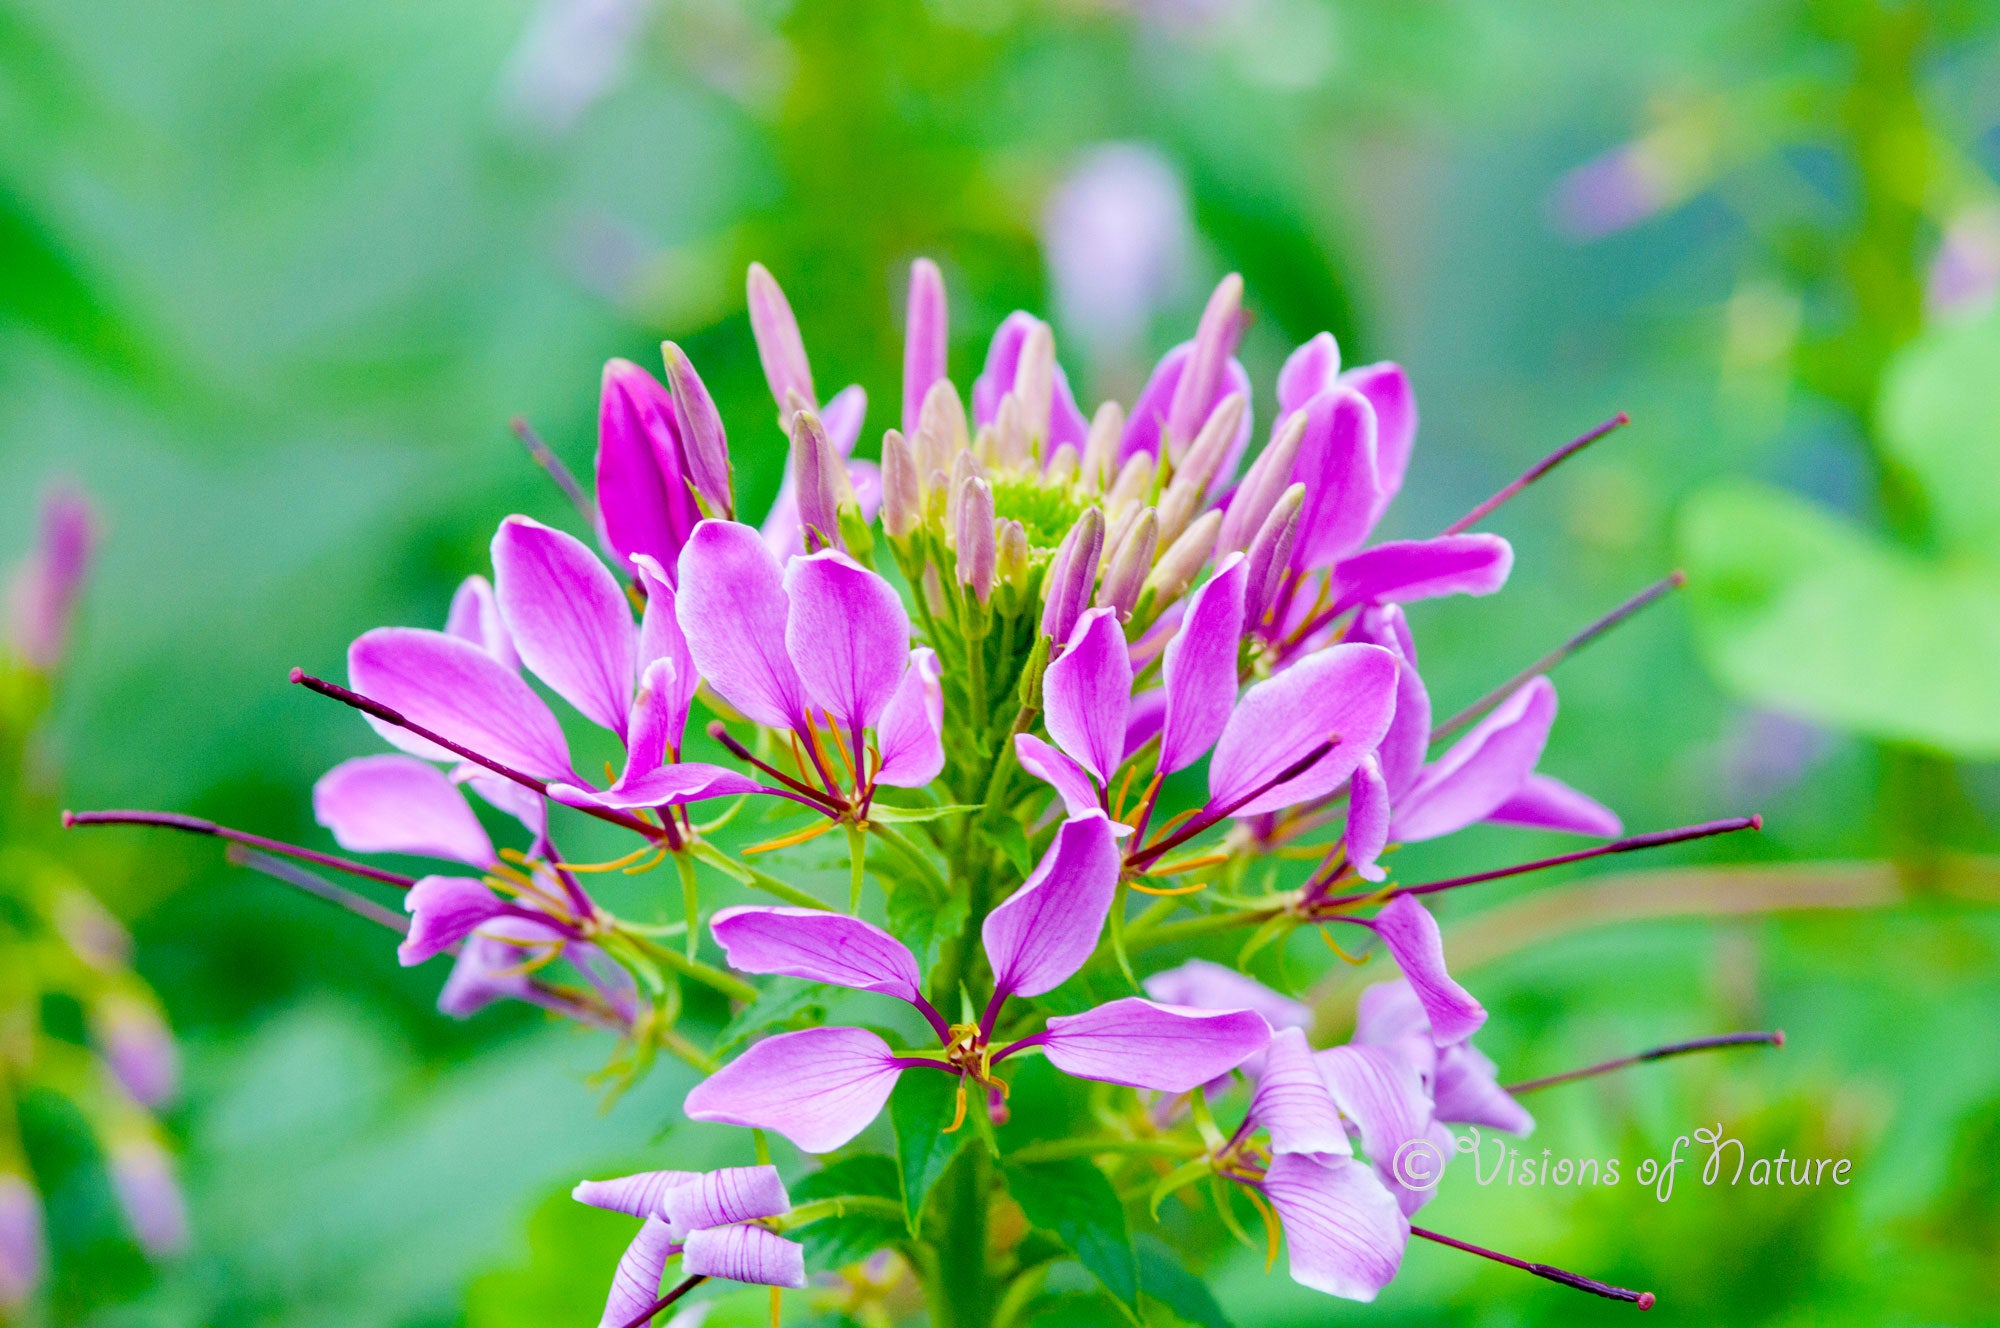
x=1643, y=1299
x=1144, y=858
x=1775, y=1038
x=195, y=825
x=717, y=731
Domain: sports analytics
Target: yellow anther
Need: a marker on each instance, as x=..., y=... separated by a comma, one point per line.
x=1334, y=946
x=1145, y=889
x=1271, y=1227
x=958, y=1115
x=1188, y=864
x=612, y=865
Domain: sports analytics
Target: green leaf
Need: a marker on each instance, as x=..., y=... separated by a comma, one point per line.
x=867, y=1173
x=1007, y=835
x=923, y=918
x=1162, y=1277
x=1073, y=1199
x=920, y=1109
x=786, y=1004
x=1799, y=610
x=902, y=815
x=842, y=1239
x=1069, y=1309
x=1940, y=417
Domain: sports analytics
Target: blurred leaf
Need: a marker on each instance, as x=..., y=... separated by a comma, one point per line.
x=1162, y=1277
x=1940, y=416
x=920, y=1109
x=786, y=1004
x=1074, y=1199
x=1800, y=611
x=834, y=1241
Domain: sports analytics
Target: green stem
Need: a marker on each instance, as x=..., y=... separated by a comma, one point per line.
x=900, y=845
x=691, y=900
x=745, y=874
x=1191, y=928
x=706, y=974
x=857, y=865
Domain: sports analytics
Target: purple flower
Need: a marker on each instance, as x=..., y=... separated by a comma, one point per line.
x=709, y=1218
x=23, y=1250
x=1190, y=381
x=822, y=1086
x=43, y=593
x=1116, y=231
x=1463, y=1083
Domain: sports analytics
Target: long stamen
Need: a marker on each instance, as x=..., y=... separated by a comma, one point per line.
x=742, y=753
x=1643, y=1299
x=1146, y=857
x=1660, y=589
x=686, y=1286
x=1535, y=472
x=280, y=870
x=194, y=825
x=1630, y=844
x=1775, y=1038
x=369, y=706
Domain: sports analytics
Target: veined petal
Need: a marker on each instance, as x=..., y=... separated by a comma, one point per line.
x=643, y=1194
x=636, y=1284
x=1088, y=692
x=1337, y=464
x=1167, y=1048
x=818, y=946
x=732, y=608
x=1310, y=370
x=668, y=786
x=1048, y=764
x=522, y=803
x=488, y=969
x=1483, y=769
x=1292, y=1101
x=1199, y=667
x=1367, y=832
x=819, y=1087
x=745, y=1254
x=1385, y=1098
x=568, y=618
x=658, y=721
x=779, y=345
x=1468, y=1092
x=398, y=804
x=460, y=692
x=1043, y=932
x=1204, y=985
x=1387, y=388
x=443, y=911
x=1406, y=570
x=910, y=734
x=1343, y=1229
x=642, y=495
x=475, y=617
x=731, y=1194
x=1546, y=803
x=1344, y=694
x=848, y=635
x=1412, y=937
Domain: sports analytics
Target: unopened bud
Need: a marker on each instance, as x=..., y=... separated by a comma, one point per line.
x=1101, y=444
x=702, y=438
x=1215, y=341
x=902, y=493
x=1268, y=477
x=1010, y=433
x=1035, y=380
x=1011, y=554
x=1269, y=553
x=940, y=435
x=779, y=346
x=1134, y=483
x=1072, y=575
x=1129, y=566
x=926, y=337
x=977, y=552
x=1196, y=473
x=818, y=479
x=1062, y=466
x=964, y=466
x=1182, y=561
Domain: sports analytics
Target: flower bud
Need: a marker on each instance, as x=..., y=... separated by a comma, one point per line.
x=1191, y=482
x=1270, y=551
x=977, y=552
x=1010, y=433
x=1267, y=478
x=23, y=1250
x=1134, y=482
x=703, y=441
x=940, y=434
x=45, y=588
x=902, y=493
x=1215, y=340
x=142, y=1178
x=1072, y=576
x=1100, y=446
x=819, y=479
x=1129, y=565
x=1035, y=381
x=137, y=1048
x=926, y=338
x=779, y=347
x=1011, y=554
x=1182, y=561
x=964, y=466
x=1062, y=466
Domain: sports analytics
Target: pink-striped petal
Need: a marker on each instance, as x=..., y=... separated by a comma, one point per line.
x=1204, y=985
x=1199, y=667
x=636, y=1284
x=460, y=692
x=819, y=947
x=848, y=635
x=668, y=786
x=1411, y=935
x=1480, y=771
x=819, y=1087
x=1467, y=1092
x=658, y=721
x=568, y=618
x=730, y=1194
x=910, y=734
x=1167, y=1048
x=443, y=911
x=732, y=609
x=1048, y=764
x=1087, y=693
x=660, y=635
x=1385, y=1098
x=1407, y=570
x=1044, y=931
x=1292, y=1103
x=1344, y=695
x=1546, y=803
x=1343, y=1230
x=641, y=1195
x=1409, y=737
x=745, y=1254
x=475, y=617
x=398, y=804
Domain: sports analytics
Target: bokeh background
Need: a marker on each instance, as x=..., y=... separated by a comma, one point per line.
x=276, y=274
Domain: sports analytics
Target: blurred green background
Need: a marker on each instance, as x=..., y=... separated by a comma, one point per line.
x=275, y=276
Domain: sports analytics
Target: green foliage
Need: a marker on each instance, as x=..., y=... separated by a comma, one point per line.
x=920, y=1110
x=846, y=1237
x=1074, y=1199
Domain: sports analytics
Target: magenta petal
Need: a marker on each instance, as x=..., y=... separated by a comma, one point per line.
x=1409, y=736
x=1048, y=764
x=926, y=338
x=1145, y=720
x=1343, y=1230
x=642, y=493
x=658, y=721
x=1411, y=935
x=1167, y=1048
x=568, y=618
x=1387, y=388
x=1003, y=358
x=1546, y=803
x=819, y=1087
x=1087, y=694
x=1292, y=1103
x=842, y=419
x=731, y=1194
x=732, y=608
x=1199, y=668
x=475, y=617
x=1386, y=1099
x=745, y=1254
x=460, y=692
x=1204, y=985
x=818, y=946
x=848, y=635
x=1480, y=771
x=1407, y=570
x=660, y=635
x=1367, y=832
x=668, y=786
x=779, y=346
x=443, y=911
x=398, y=804
x=1344, y=694
x=1043, y=932
x=636, y=1284
x=1146, y=423
x=1337, y=465
x=1310, y=370
x=910, y=734
x=641, y=1195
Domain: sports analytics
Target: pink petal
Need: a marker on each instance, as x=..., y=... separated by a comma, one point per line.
x=658, y=721
x=641, y=1195
x=779, y=345
x=731, y=1194
x=443, y=911
x=668, y=786
x=819, y=947
x=732, y=609
x=1412, y=937
x=1409, y=737
x=996, y=379
x=23, y=1247
x=636, y=1284
x=1387, y=388
x=1310, y=370
x=1292, y=1103
x=1199, y=668
x=1088, y=692
x=848, y=635
x=1367, y=832
x=1167, y=1048
x=1048, y=764
x=1337, y=465
x=1468, y=1092
x=910, y=734
x=460, y=692
x=398, y=804
x=842, y=420
x=1147, y=421
x=926, y=338
x=642, y=493
x=1145, y=720
x=475, y=617
x=1546, y=803
x=1343, y=1230
x=1484, y=768
x=1344, y=694
x=1205, y=985
x=1043, y=932
x=819, y=1087
x=1385, y=1098
x=660, y=635
x=745, y=1254
x=568, y=618
x=1407, y=570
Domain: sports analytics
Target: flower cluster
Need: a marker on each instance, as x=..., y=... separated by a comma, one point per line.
x=991, y=666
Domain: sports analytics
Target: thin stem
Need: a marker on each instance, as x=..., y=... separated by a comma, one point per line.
x=557, y=471
x=1535, y=472
x=194, y=825
x=685, y=1286
x=1658, y=590
x=1643, y=1299
x=706, y=974
x=1775, y=1038
x=1146, y=857
x=721, y=734
x=281, y=870
x=690, y=901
